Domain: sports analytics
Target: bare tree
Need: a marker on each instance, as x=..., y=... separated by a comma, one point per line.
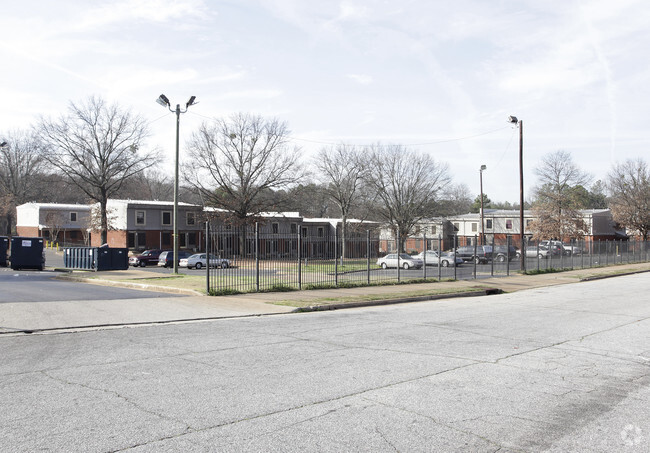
x=341, y=172
x=310, y=200
x=556, y=206
x=151, y=184
x=455, y=199
x=93, y=222
x=235, y=162
x=629, y=187
x=55, y=221
x=407, y=184
x=97, y=147
x=21, y=168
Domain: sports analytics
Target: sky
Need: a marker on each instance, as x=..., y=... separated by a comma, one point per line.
x=437, y=76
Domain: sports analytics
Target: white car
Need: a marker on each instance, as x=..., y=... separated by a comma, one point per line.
x=198, y=261
x=445, y=260
x=405, y=261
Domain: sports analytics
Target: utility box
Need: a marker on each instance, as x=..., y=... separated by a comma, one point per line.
x=27, y=253
x=4, y=245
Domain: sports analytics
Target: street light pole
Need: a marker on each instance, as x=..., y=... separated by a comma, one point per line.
x=162, y=100
x=483, y=167
x=520, y=123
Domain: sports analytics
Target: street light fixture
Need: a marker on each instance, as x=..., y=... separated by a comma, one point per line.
x=164, y=101
x=520, y=124
x=483, y=167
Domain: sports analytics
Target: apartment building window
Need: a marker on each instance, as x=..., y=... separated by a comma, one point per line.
x=73, y=217
x=294, y=228
x=190, y=218
x=488, y=224
x=275, y=228
x=508, y=224
x=304, y=232
x=166, y=218
x=140, y=218
x=136, y=240
x=321, y=232
x=474, y=227
x=434, y=229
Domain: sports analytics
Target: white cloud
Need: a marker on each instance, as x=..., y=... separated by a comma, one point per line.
x=142, y=10
x=249, y=94
x=349, y=10
x=361, y=78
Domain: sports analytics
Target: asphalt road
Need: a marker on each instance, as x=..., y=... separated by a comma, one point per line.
x=563, y=368
x=35, y=286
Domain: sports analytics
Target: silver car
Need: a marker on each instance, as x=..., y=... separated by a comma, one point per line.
x=539, y=252
x=405, y=261
x=199, y=260
x=445, y=259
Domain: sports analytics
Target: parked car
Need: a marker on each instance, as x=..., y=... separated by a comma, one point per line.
x=166, y=258
x=556, y=246
x=503, y=252
x=541, y=252
x=445, y=259
x=199, y=260
x=571, y=249
x=483, y=253
x=405, y=261
x=145, y=258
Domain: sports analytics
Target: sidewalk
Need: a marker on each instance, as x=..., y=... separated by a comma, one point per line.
x=61, y=315
x=284, y=302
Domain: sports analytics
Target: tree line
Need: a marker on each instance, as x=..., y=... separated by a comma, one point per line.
x=246, y=165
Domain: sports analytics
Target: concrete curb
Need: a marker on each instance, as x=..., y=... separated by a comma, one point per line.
x=126, y=324
x=370, y=303
x=131, y=285
x=602, y=277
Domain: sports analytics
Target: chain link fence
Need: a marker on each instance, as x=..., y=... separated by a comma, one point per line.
x=258, y=260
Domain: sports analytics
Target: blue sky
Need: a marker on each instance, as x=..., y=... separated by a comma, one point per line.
x=439, y=76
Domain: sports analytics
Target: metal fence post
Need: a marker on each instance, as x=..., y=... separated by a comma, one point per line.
x=455, y=249
x=257, y=257
x=336, y=254
x=475, y=255
x=507, y=257
x=299, y=241
x=399, y=242
x=424, y=255
x=207, y=257
x=440, y=258
x=368, y=254
x=508, y=243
